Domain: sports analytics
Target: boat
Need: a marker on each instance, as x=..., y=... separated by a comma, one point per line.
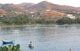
x=7, y=42
x=31, y=45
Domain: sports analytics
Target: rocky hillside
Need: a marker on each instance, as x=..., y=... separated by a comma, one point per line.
x=2, y=12
x=12, y=9
x=52, y=14
x=61, y=8
x=43, y=9
x=26, y=5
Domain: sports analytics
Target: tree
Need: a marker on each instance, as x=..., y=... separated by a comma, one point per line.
x=64, y=20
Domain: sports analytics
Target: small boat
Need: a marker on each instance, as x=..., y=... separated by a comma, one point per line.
x=31, y=45
x=6, y=42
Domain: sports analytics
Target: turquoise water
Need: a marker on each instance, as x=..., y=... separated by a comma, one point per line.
x=45, y=38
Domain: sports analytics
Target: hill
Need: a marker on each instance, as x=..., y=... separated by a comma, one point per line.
x=61, y=8
x=12, y=9
x=49, y=14
x=43, y=9
x=26, y=5
x=2, y=12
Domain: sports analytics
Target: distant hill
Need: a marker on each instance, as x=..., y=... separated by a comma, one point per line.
x=26, y=5
x=61, y=8
x=43, y=9
x=11, y=7
x=2, y=12
x=43, y=5
x=52, y=14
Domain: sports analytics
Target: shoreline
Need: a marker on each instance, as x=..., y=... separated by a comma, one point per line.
x=32, y=25
x=27, y=25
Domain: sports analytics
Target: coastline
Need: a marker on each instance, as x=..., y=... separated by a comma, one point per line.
x=33, y=25
x=30, y=25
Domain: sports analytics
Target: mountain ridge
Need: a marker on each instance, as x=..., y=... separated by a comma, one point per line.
x=44, y=7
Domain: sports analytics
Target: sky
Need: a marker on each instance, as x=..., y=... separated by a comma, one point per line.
x=75, y=3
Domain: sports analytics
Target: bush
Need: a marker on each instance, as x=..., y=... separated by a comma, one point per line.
x=16, y=20
x=10, y=48
x=77, y=20
x=65, y=21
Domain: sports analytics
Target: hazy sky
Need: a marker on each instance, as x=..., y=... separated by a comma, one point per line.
x=61, y=2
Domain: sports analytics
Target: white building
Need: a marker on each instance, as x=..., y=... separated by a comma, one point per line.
x=32, y=12
x=71, y=16
x=48, y=10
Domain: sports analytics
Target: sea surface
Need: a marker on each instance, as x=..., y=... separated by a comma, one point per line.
x=44, y=38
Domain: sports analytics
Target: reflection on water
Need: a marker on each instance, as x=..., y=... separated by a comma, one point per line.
x=46, y=38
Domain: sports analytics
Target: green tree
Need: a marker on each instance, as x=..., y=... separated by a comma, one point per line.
x=65, y=20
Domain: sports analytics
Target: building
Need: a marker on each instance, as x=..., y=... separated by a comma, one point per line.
x=71, y=16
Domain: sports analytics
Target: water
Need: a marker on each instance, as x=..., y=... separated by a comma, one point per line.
x=52, y=38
